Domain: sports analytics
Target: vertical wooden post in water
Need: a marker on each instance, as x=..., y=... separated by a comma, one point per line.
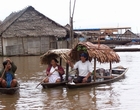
x=94, y=75
x=67, y=71
x=110, y=69
x=60, y=61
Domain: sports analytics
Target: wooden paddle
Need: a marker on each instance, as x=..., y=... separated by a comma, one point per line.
x=44, y=79
x=4, y=69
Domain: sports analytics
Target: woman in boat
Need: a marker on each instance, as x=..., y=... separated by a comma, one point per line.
x=54, y=72
x=7, y=74
x=84, y=67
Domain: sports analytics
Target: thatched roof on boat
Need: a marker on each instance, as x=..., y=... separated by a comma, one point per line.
x=55, y=53
x=30, y=22
x=101, y=52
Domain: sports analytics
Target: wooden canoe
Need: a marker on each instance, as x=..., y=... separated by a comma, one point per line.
x=10, y=90
x=52, y=85
x=116, y=73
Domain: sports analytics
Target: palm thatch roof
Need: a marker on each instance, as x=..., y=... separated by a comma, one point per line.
x=101, y=52
x=129, y=34
x=30, y=22
x=55, y=53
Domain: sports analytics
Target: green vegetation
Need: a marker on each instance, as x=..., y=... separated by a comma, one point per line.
x=81, y=48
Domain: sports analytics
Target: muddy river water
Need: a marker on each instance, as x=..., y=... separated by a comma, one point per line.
x=121, y=95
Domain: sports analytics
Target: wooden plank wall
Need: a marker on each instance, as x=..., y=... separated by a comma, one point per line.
x=29, y=46
x=0, y=47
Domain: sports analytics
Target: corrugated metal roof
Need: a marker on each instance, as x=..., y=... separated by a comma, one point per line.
x=89, y=29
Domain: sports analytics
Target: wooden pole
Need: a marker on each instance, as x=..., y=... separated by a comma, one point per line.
x=110, y=68
x=70, y=25
x=99, y=42
x=44, y=79
x=72, y=36
x=94, y=70
x=73, y=8
x=5, y=69
x=60, y=61
x=67, y=71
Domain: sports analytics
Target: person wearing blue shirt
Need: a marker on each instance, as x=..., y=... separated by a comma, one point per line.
x=7, y=74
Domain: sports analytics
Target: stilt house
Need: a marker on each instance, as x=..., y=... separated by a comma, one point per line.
x=28, y=32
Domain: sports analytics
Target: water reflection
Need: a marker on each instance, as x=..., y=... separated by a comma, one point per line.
x=81, y=99
x=54, y=98
x=121, y=95
x=30, y=97
x=9, y=100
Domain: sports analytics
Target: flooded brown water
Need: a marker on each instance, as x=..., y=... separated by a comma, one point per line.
x=121, y=95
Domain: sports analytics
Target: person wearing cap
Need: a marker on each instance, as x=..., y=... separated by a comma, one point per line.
x=84, y=67
x=7, y=74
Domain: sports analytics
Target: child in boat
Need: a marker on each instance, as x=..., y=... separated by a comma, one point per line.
x=54, y=72
x=84, y=67
x=7, y=74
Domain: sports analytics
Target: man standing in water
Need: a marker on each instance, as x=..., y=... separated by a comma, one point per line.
x=7, y=74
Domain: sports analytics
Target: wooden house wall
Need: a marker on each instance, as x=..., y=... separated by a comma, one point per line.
x=27, y=45
x=0, y=47
x=44, y=44
x=62, y=44
x=66, y=44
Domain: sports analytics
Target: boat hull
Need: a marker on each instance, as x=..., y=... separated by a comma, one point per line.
x=12, y=90
x=117, y=42
x=79, y=85
x=52, y=85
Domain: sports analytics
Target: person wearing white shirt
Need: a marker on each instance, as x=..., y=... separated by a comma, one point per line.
x=84, y=67
x=54, y=72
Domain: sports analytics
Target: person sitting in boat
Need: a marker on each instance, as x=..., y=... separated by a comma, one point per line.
x=84, y=67
x=7, y=74
x=54, y=72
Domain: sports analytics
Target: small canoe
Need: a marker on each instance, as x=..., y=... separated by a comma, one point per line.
x=52, y=85
x=9, y=90
x=117, y=74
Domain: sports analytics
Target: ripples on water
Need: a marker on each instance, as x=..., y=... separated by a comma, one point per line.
x=121, y=95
